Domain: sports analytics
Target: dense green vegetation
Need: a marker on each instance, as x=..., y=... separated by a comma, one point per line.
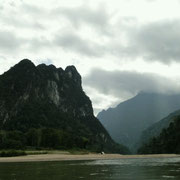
x=41, y=138
x=155, y=129
x=166, y=142
x=11, y=153
x=49, y=138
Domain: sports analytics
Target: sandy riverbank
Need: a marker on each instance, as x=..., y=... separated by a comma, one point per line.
x=63, y=157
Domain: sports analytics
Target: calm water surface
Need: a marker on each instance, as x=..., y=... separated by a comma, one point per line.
x=121, y=169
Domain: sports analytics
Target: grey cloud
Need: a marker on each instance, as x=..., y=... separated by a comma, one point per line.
x=17, y=22
x=38, y=43
x=127, y=83
x=29, y=8
x=9, y=41
x=159, y=41
x=81, y=15
x=20, y=16
x=73, y=42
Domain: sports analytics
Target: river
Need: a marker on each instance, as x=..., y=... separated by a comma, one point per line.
x=121, y=169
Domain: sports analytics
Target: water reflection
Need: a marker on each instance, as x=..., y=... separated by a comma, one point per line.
x=123, y=169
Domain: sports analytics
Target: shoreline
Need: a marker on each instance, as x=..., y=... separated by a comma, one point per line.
x=71, y=157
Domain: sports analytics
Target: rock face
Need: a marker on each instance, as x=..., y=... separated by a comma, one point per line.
x=45, y=96
x=128, y=120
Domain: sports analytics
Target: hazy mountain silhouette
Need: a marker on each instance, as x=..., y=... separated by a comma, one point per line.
x=129, y=119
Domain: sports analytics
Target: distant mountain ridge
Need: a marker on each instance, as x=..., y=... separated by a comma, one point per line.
x=48, y=97
x=129, y=119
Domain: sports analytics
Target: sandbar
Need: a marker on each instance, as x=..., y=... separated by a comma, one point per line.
x=65, y=157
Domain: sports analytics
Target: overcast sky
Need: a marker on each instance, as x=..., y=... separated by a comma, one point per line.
x=120, y=47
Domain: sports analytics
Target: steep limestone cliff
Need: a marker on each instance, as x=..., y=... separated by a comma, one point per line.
x=45, y=96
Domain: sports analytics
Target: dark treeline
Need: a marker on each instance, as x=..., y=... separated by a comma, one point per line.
x=166, y=142
x=50, y=138
x=41, y=138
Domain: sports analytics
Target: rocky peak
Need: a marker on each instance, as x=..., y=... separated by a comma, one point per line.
x=45, y=83
x=25, y=67
x=72, y=73
x=44, y=66
x=25, y=63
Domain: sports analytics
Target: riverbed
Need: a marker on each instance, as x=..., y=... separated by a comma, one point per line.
x=150, y=168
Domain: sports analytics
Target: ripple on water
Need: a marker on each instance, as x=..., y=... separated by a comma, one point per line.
x=94, y=174
x=104, y=170
x=168, y=177
x=135, y=162
x=175, y=170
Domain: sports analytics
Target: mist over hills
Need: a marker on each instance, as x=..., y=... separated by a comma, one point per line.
x=45, y=106
x=129, y=119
